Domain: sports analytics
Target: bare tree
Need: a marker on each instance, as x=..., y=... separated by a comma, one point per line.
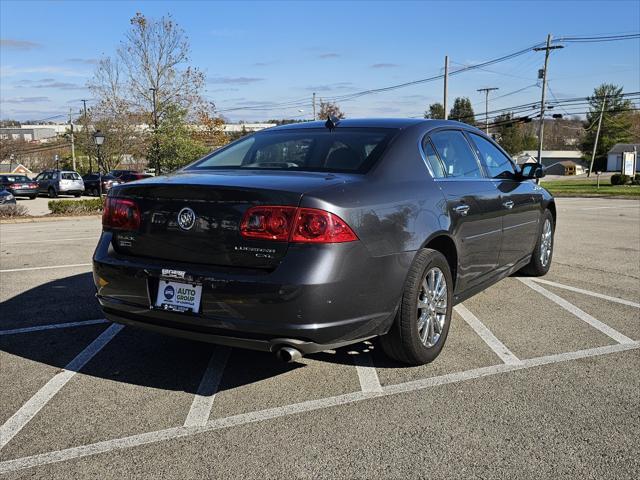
x=150, y=72
x=328, y=109
x=155, y=54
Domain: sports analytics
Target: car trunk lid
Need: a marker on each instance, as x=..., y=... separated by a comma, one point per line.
x=195, y=217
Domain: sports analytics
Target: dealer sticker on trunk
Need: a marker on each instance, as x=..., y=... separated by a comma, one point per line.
x=183, y=297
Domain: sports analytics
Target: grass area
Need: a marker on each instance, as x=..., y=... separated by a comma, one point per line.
x=568, y=188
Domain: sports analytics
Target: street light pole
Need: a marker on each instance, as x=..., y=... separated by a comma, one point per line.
x=98, y=139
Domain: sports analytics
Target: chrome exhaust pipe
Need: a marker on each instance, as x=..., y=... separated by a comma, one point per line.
x=288, y=354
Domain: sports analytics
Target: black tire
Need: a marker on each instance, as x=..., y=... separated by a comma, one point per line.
x=403, y=343
x=52, y=192
x=536, y=267
x=77, y=195
x=32, y=197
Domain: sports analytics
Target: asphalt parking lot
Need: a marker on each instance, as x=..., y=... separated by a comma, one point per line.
x=539, y=378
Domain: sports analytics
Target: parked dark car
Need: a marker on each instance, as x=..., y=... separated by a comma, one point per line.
x=56, y=182
x=19, y=185
x=92, y=183
x=312, y=236
x=6, y=197
x=132, y=177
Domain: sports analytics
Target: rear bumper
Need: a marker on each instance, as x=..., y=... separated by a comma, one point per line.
x=24, y=192
x=318, y=298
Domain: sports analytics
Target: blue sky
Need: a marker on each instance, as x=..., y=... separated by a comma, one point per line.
x=276, y=51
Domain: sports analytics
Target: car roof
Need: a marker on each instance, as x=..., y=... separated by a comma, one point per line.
x=397, y=123
x=354, y=123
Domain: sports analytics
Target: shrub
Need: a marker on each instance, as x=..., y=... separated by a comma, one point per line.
x=636, y=179
x=75, y=207
x=11, y=211
x=619, y=179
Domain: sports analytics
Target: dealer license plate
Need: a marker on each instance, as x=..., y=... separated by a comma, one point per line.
x=183, y=297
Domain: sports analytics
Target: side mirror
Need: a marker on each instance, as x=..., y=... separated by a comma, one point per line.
x=532, y=171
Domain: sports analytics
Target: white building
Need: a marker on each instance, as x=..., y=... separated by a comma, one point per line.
x=33, y=134
x=614, y=156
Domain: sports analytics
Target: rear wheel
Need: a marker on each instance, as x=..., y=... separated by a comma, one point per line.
x=52, y=192
x=543, y=251
x=77, y=195
x=32, y=197
x=422, y=323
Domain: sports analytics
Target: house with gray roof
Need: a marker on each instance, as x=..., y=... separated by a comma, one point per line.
x=614, y=156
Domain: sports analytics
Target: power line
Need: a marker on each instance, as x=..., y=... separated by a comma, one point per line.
x=479, y=66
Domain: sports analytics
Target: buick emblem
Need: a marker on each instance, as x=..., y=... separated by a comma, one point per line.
x=186, y=218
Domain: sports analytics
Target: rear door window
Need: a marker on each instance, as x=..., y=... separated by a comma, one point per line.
x=70, y=176
x=432, y=159
x=498, y=165
x=457, y=157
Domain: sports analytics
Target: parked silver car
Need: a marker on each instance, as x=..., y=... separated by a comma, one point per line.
x=56, y=182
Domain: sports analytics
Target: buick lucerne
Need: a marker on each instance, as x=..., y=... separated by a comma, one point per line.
x=311, y=236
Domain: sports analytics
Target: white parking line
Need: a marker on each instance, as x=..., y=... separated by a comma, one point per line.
x=52, y=240
x=45, y=268
x=616, y=207
x=24, y=415
x=367, y=374
x=52, y=326
x=581, y=314
x=308, y=406
x=203, y=401
x=485, y=334
x=587, y=292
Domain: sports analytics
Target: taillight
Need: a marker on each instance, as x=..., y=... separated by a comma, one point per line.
x=300, y=225
x=318, y=226
x=268, y=223
x=120, y=214
x=33, y=185
x=14, y=186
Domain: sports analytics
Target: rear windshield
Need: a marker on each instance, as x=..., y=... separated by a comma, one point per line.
x=15, y=178
x=70, y=176
x=346, y=150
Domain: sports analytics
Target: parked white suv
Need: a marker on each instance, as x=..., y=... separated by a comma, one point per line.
x=56, y=182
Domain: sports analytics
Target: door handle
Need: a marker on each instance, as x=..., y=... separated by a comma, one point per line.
x=508, y=204
x=461, y=209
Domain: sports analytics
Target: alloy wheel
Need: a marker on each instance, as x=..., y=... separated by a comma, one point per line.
x=432, y=307
x=546, y=243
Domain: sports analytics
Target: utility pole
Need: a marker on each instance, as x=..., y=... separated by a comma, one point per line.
x=486, y=106
x=595, y=144
x=73, y=145
x=155, y=131
x=446, y=80
x=86, y=132
x=546, y=49
x=314, y=105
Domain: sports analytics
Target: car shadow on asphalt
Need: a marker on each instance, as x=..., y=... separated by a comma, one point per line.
x=134, y=356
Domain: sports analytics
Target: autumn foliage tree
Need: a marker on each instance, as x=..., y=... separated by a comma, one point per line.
x=329, y=109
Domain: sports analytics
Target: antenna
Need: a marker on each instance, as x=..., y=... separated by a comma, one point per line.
x=332, y=122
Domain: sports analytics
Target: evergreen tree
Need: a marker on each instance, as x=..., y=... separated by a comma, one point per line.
x=462, y=111
x=512, y=136
x=435, y=111
x=616, y=122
